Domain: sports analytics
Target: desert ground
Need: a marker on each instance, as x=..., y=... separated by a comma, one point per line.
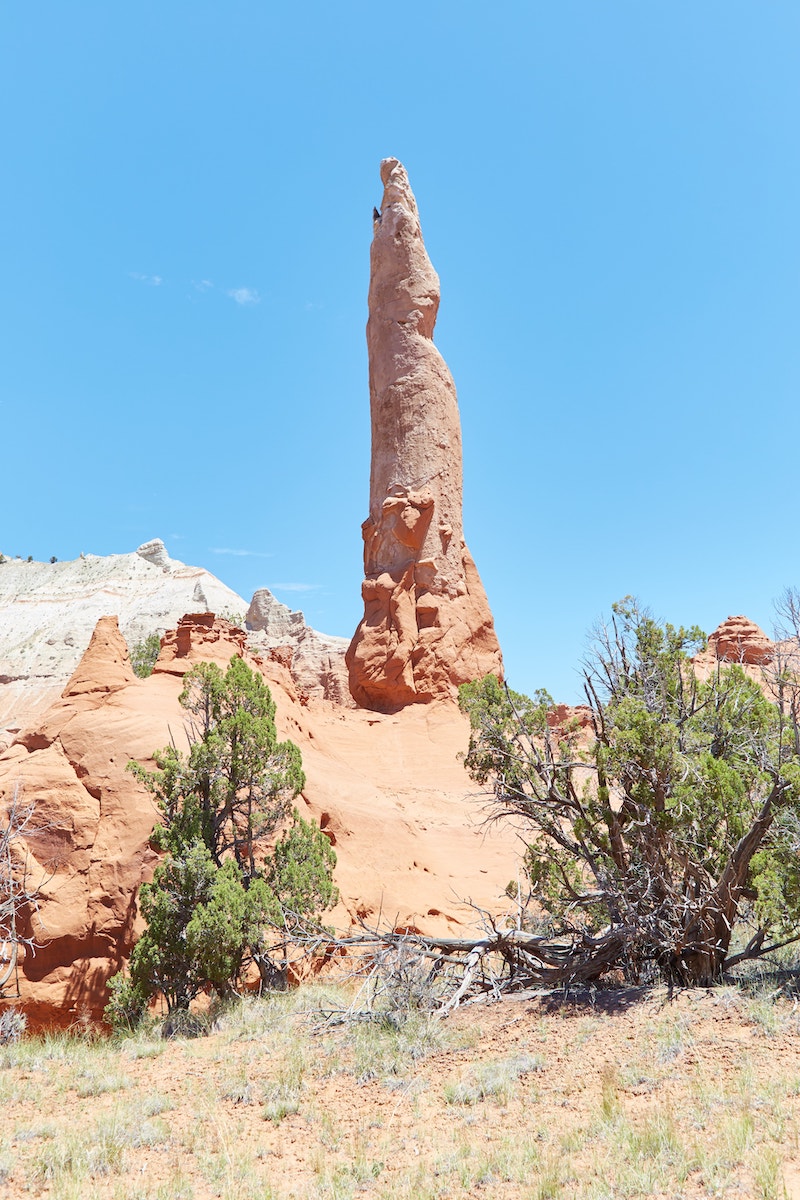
x=616, y=1093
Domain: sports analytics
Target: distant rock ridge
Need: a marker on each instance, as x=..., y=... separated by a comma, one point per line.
x=316, y=660
x=427, y=626
x=48, y=612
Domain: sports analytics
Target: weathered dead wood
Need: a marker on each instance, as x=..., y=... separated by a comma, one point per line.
x=18, y=898
x=499, y=961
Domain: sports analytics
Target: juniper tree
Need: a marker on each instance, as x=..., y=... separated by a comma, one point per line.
x=220, y=888
x=669, y=820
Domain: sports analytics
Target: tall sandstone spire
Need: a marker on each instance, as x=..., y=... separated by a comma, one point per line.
x=427, y=626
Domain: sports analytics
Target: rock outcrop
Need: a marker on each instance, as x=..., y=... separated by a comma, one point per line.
x=427, y=626
x=106, y=663
x=387, y=789
x=48, y=612
x=740, y=640
x=315, y=660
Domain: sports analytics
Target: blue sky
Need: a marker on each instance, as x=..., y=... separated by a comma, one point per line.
x=610, y=193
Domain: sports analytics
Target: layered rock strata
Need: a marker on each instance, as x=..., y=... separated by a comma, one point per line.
x=48, y=612
x=315, y=660
x=740, y=640
x=427, y=626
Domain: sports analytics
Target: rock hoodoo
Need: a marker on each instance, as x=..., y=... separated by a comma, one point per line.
x=106, y=664
x=738, y=639
x=427, y=626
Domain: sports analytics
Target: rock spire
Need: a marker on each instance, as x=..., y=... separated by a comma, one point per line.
x=427, y=626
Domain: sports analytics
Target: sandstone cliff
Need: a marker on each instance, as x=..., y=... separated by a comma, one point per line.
x=388, y=790
x=427, y=626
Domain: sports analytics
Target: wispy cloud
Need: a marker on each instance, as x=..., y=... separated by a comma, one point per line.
x=244, y=295
x=293, y=587
x=239, y=553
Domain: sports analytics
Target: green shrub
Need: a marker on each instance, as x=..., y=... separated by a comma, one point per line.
x=144, y=655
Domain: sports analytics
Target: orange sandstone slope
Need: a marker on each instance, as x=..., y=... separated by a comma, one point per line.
x=388, y=790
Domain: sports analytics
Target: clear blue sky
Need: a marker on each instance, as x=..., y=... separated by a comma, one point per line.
x=610, y=193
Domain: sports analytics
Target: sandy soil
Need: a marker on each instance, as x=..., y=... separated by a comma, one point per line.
x=623, y=1094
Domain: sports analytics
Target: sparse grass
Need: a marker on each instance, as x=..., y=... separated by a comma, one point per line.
x=673, y=1034
x=154, y=1104
x=235, y=1086
x=386, y=1048
x=91, y=1082
x=492, y=1080
x=177, y=1187
x=6, y=1163
x=768, y=1175
x=767, y=1017
x=609, y=1093
x=141, y=1045
x=254, y=1018
x=700, y=1098
x=282, y=1093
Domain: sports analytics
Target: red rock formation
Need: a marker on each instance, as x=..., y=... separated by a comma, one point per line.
x=106, y=663
x=90, y=847
x=198, y=635
x=740, y=640
x=388, y=790
x=427, y=626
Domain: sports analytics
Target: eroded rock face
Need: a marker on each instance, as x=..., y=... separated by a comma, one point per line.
x=388, y=790
x=316, y=660
x=48, y=612
x=155, y=552
x=89, y=848
x=427, y=626
x=740, y=640
x=200, y=632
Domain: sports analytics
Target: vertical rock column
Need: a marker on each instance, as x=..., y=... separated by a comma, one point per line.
x=427, y=626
